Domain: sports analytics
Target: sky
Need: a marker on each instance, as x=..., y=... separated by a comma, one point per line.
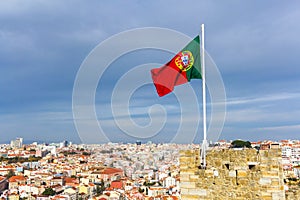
x=43, y=44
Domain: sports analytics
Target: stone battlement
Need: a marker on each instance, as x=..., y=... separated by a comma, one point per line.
x=238, y=174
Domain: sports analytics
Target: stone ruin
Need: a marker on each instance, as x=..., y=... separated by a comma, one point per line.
x=238, y=174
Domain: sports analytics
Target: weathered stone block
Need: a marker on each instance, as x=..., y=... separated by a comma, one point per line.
x=232, y=173
x=266, y=196
x=209, y=172
x=184, y=177
x=278, y=196
x=242, y=173
x=184, y=190
x=187, y=185
x=187, y=171
x=275, y=182
x=243, y=182
x=189, y=197
x=265, y=181
x=193, y=178
x=273, y=173
x=199, y=192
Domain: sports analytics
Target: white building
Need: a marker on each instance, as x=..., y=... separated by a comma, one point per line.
x=18, y=143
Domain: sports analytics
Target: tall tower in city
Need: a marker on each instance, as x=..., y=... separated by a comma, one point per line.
x=17, y=143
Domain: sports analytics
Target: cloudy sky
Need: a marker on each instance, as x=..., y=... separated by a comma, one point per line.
x=254, y=44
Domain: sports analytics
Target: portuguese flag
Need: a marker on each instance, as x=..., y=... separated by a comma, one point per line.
x=183, y=67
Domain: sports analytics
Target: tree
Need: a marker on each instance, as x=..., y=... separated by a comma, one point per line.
x=149, y=183
x=10, y=174
x=49, y=192
x=100, y=187
x=98, y=190
x=240, y=144
x=86, y=153
x=141, y=190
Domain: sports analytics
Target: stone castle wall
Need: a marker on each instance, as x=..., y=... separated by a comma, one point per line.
x=232, y=174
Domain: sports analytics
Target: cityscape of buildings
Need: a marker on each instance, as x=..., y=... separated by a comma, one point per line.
x=96, y=71
x=107, y=171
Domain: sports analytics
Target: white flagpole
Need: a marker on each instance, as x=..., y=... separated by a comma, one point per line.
x=204, y=143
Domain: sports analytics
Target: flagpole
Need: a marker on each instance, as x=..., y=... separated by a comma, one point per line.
x=204, y=143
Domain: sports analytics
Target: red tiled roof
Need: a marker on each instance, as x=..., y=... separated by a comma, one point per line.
x=16, y=178
x=116, y=184
x=2, y=178
x=71, y=180
x=168, y=197
x=59, y=197
x=111, y=171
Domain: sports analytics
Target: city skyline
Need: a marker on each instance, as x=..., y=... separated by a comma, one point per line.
x=43, y=44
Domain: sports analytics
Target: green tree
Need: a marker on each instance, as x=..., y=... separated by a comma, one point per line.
x=98, y=190
x=240, y=144
x=10, y=173
x=141, y=190
x=49, y=192
x=100, y=187
x=86, y=153
x=149, y=183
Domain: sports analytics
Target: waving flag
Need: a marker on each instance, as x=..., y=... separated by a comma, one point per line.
x=183, y=67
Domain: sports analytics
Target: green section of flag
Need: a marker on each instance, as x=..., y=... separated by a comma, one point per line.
x=195, y=71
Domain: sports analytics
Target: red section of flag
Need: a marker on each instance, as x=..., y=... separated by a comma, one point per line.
x=168, y=76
